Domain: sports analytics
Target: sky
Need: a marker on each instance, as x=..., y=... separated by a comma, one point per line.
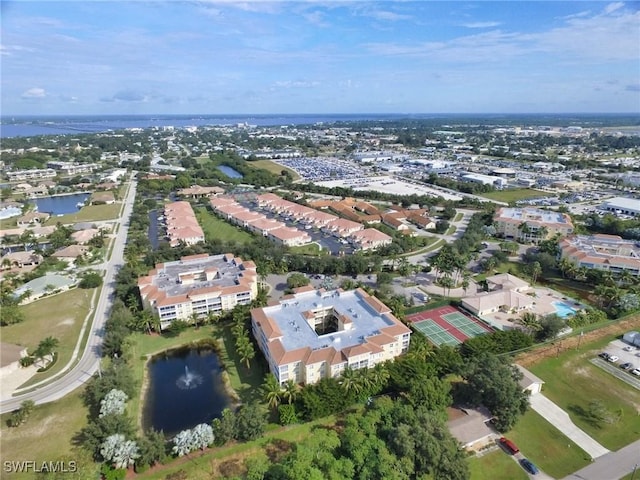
x=257, y=57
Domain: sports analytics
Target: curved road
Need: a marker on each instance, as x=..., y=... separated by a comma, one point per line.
x=90, y=360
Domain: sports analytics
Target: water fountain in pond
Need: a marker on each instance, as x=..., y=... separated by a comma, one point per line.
x=189, y=380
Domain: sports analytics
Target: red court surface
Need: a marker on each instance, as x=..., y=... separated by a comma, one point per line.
x=447, y=325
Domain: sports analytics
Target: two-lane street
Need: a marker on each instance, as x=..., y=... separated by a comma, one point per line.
x=90, y=360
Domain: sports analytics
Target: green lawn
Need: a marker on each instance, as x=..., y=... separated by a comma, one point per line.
x=46, y=317
x=273, y=167
x=48, y=436
x=216, y=228
x=309, y=249
x=451, y=230
x=573, y=383
x=496, y=465
x=513, y=195
x=547, y=447
x=90, y=213
x=458, y=217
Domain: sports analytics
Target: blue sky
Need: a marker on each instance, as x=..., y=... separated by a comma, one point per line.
x=209, y=57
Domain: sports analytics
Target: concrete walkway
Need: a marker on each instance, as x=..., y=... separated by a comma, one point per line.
x=560, y=419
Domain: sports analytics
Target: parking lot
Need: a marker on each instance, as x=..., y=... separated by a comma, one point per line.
x=626, y=354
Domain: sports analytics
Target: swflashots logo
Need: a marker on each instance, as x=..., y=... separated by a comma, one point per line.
x=32, y=466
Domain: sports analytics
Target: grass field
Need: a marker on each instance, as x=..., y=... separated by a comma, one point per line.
x=547, y=447
x=458, y=217
x=90, y=213
x=496, y=465
x=513, y=195
x=573, y=383
x=309, y=249
x=215, y=227
x=273, y=167
x=44, y=318
x=48, y=436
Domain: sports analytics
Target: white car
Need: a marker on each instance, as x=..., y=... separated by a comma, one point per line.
x=613, y=358
x=636, y=371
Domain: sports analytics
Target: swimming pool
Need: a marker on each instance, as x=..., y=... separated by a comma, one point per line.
x=564, y=309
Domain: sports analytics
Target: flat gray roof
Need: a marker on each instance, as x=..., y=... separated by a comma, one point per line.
x=167, y=278
x=623, y=203
x=297, y=333
x=525, y=214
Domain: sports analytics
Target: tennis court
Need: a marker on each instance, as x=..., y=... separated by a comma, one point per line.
x=447, y=325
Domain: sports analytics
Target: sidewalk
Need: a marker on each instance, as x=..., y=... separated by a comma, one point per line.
x=560, y=419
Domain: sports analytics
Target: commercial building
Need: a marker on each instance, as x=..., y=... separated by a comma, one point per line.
x=315, y=334
x=506, y=293
x=198, y=285
x=196, y=191
x=531, y=224
x=182, y=224
x=622, y=205
x=602, y=252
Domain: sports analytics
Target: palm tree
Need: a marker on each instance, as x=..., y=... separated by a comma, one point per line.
x=542, y=233
x=246, y=352
x=535, y=269
x=524, y=230
x=529, y=321
x=46, y=347
x=272, y=391
x=290, y=391
x=350, y=381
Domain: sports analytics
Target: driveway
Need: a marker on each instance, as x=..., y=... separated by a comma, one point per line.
x=560, y=419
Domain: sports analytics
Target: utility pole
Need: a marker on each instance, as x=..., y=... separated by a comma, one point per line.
x=634, y=471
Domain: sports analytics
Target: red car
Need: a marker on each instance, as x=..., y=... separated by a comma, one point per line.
x=509, y=445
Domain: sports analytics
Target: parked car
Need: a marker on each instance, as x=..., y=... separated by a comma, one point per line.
x=509, y=445
x=627, y=366
x=636, y=371
x=529, y=466
x=613, y=358
x=604, y=355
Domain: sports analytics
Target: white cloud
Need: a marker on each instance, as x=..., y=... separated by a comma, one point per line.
x=481, y=24
x=296, y=84
x=35, y=92
x=612, y=7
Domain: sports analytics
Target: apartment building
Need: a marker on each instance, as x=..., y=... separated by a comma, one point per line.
x=602, y=252
x=531, y=224
x=182, y=224
x=35, y=174
x=315, y=334
x=370, y=238
x=70, y=168
x=198, y=285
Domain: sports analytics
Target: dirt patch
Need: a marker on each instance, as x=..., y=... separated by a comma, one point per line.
x=538, y=354
x=66, y=322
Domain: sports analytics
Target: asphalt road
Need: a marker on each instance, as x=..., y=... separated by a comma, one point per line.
x=90, y=360
x=612, y=466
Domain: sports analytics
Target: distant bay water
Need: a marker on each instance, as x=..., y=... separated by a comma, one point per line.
x=32, y=126
x=29, y=126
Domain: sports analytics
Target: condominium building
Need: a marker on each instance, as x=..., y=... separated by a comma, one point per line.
x=198, y=285
x=531, y=224
x=69, y=168
x=34, y=174
x=182, y=224
x=370, y=238
x=315, y=334
x=602, y=252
